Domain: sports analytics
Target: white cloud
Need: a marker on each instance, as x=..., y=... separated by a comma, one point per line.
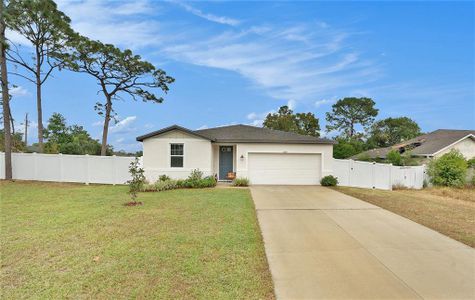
x=124, y=125
x=114, y=22
x=19, y=91
x=300, y=62
x=98, y=123
x=323, y=102
x=207, y=16
x=256, y=119
x=202, y=127
x=291, y=104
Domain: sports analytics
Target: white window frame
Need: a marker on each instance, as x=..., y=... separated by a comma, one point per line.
x=175, y=155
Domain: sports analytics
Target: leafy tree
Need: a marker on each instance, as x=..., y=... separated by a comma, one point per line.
x=448, y=170
x=307, y=124
x=73, y=139
x=394, y=157
x=346, y=148
x=57, y=130
x=17, y=143
x=118, y=73
x=348, y=112
x=48, y=30
x=392, y=131
x=283, y=120
x=286, y=120
x=7, y=140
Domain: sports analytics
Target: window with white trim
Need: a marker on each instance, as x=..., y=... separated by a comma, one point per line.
x=176, y=155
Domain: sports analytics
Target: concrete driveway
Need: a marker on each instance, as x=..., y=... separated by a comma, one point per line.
x=322, y=244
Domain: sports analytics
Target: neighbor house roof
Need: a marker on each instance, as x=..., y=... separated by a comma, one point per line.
x=425, y=145
x=244, y=134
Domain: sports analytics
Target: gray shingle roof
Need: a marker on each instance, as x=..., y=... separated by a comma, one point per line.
x=430, y=143
x=245, y=134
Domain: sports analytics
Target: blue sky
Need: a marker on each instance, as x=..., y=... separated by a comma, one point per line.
x=236, y=61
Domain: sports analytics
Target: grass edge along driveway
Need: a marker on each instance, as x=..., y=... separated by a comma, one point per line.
x=449, y=211
x=76, y=241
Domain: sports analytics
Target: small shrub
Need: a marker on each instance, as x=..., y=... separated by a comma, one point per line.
x=394, y=157
x=165, y=185
x=147, y=187
x=196, y=174
x=329, y=180
x=471, y=163
x=241, y=182
x=448, y=170
x=163, y=177
x=208, y=181
x=138, y=179
x=180, y=183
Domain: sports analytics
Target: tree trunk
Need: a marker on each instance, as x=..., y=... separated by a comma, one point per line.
x=5, y=100
x=38, y=104
x=106, y=126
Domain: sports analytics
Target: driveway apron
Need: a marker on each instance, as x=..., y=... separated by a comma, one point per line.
x=322, y=244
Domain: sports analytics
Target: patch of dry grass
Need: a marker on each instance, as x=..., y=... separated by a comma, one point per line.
x=450, y=211
x=74, y=241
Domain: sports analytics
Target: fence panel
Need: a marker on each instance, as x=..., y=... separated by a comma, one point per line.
x=376, y=175
x=382, y=176
x=68, y=168
x=362, y=175
x=75, y=168
x=410, y=177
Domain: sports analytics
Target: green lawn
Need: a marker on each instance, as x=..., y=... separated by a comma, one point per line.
x=77, y=241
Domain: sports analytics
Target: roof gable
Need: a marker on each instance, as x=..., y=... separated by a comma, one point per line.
x=169, y=129
x=244, y=134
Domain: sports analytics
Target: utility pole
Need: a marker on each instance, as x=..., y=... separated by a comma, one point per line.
x=26, y=129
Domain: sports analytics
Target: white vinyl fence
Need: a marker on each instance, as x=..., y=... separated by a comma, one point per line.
x=377, y=176
x=68, y=168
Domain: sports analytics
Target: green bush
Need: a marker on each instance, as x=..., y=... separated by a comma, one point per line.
x=147, y=187
x=165, y=185
x=163, y=177
x=448, y=170
x=471, y=162
x=195, y=175
x=193, y=182
x=329, y=180
x=241, y=182
x=180, y=183
x=394, y=157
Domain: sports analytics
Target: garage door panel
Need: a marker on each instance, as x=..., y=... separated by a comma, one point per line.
x=284, y=168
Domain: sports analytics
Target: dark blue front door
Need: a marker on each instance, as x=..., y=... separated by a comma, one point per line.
x=225, y=161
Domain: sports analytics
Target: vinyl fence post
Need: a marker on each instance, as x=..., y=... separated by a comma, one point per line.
x=373, y=175
x=350, y=171
x=35, y=166
x=87, y=169
x=61, y=167
x=114, y=169
x=390, y=177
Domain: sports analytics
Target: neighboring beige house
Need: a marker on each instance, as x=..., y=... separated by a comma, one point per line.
x=262, y=155
x=430, y=145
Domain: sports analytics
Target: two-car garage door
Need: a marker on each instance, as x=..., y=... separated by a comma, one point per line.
x=284, y=168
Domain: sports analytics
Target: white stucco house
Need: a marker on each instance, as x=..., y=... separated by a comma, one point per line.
x=262, y=155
